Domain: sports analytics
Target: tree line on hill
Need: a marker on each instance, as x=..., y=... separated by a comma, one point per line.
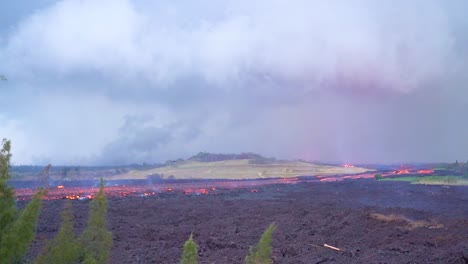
x=211, y=157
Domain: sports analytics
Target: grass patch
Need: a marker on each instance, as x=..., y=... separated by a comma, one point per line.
x=433, y=180
x=238, y=169
x=405, y=222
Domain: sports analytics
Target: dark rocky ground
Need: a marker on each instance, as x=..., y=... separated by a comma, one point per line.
x=308, y=215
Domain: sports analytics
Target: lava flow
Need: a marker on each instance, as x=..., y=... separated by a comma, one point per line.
x=145, y=189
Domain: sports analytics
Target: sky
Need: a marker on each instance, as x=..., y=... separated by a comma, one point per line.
x=107, y=82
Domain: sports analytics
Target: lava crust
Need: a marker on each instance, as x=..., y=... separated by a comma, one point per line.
x=369, y=221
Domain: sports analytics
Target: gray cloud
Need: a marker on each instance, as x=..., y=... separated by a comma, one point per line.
x=356, y=80
x=136, y=142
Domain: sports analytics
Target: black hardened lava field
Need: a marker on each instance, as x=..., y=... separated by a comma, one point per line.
x=368, y=221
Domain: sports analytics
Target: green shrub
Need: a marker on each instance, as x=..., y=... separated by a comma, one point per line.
x=378, y=176
x=64, y=248
x=89, y=259
x=96, y=240
x=190, y=253
x=261, y=253
x=17, y=228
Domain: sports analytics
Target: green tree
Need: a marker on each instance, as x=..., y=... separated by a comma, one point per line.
x=8, y=210
x=96, y=240
x=17, y=228
x=64, y=248
x=378, y=176
x=190, y=253
x=261, y=253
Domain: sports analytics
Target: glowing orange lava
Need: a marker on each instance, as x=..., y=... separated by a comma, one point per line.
x=403, y=171
x=425, y=171
x=198, y=191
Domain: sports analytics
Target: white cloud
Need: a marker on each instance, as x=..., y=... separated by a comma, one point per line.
x=295, y=40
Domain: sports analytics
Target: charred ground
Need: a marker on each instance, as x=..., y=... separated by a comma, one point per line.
x=371, y=221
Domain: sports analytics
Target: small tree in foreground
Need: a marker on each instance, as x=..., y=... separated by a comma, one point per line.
x=96, y=239
x=64, y=248
x=190, y=253
x=261, y=253
x=17, y=228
